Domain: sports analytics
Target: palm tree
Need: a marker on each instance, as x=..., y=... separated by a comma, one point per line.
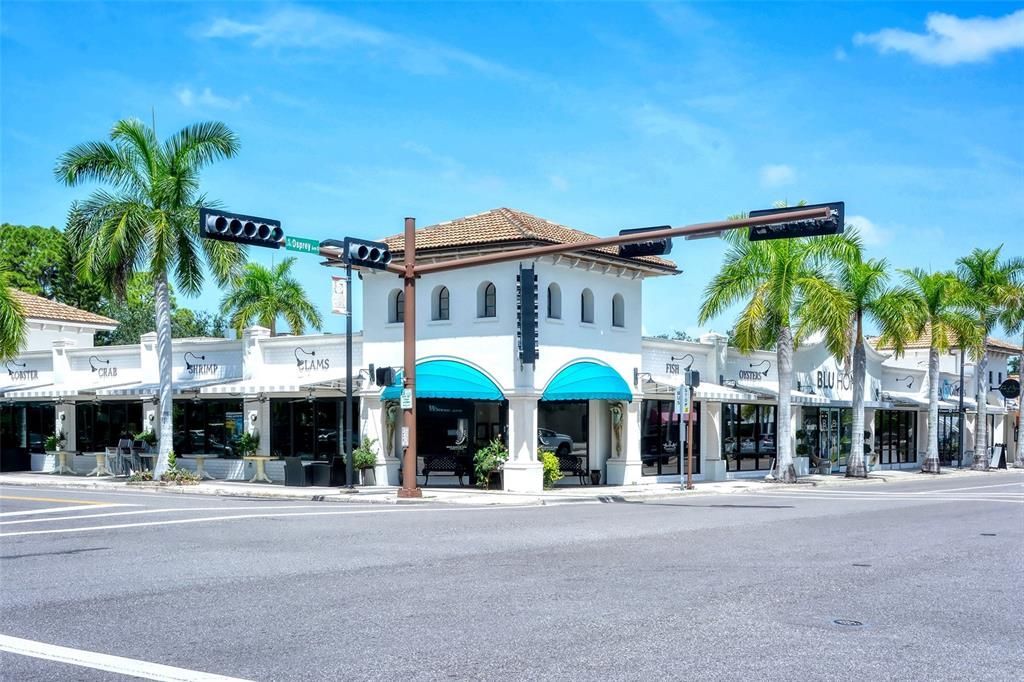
x=12, y=321
x=989, y=280
x=263, y=294
x=789, y=295
x=863, y=282
x=148, y=219
x=933, y=302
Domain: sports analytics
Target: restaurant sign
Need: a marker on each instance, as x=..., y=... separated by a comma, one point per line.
x=22, y=374
x=197, y=367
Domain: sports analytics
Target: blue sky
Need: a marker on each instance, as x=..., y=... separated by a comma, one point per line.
x=598, y=116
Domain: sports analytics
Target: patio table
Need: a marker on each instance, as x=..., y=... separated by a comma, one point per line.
x=199, y=459
x=62, y=463
x=261, y=471
x=101, y=468
x=147, y=455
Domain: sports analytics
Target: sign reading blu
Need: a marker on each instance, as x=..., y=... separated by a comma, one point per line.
x=826, y=379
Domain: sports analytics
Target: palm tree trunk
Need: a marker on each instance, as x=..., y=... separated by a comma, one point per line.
x=785, y=469
x=855, y=466
x=163, y=357
x=931, y=458
x=981, y=458
x=1019, y=463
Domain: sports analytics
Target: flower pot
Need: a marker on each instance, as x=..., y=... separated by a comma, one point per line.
x=595, y=477
x=367, y=477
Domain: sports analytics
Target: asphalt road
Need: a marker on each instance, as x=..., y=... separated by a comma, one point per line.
x=710, y=587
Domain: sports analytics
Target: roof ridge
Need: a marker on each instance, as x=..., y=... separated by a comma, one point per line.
x=514, y=217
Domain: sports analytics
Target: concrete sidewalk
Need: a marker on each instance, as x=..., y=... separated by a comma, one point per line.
x=561, y=494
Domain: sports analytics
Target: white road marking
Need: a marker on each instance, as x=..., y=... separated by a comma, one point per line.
x=168, y=510
x=896, y=497
x=230, y=517
x=55, y=510
x=108, y=663
x=973, y=487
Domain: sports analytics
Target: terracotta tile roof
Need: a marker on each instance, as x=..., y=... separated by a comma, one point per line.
x=39, y=308
x=925, y=341
x=502, y=226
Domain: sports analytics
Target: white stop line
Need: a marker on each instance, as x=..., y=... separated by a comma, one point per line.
x=114, y=664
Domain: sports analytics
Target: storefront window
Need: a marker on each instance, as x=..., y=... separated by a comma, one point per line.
x=895, y=437
x=209, y=427
x=311, y=430
x=563, y=427
x=101, y=425
x=748, y=436
x=663, y=443
x=455, y=429
x=949, y=437
x=826, y=435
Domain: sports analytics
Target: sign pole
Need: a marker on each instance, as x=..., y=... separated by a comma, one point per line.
x=409, y=487
x=689, y=443
x=349, y=464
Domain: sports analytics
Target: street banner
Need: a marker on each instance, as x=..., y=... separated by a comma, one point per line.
x=339, y=295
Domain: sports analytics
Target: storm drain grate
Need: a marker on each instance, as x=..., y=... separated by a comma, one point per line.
x=863, y=565
x=989, y=535
x=846, y=622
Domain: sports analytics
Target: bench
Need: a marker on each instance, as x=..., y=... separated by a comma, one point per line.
x=456, y=465
x=574, y=465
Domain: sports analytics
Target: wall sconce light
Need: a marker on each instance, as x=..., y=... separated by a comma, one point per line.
x=908, y=379
x=63, y=416
x=683, y=357
x=637, y=374
x=10, y=372
x=190, y=366
x=93, y=358
x=300, y=349
x=763, y=362
x=253, y=416
x=152, y=417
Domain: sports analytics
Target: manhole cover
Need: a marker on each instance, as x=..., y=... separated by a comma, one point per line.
x=846, y=622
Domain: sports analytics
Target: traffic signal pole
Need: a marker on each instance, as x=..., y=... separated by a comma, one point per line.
x=409, y=271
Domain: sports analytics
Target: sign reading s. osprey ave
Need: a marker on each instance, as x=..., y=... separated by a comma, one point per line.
x=302, y=245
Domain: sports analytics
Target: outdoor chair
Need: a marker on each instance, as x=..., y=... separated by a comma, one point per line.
x=338, y=474
x=296, y=473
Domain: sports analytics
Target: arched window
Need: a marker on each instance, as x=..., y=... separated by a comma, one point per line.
x=396, y=306
x=618, y=311
x=440, y=307
x=587, y=306
x=554, y=302
x=487, y=300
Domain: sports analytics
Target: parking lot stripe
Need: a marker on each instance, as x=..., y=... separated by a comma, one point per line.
x=107, y=663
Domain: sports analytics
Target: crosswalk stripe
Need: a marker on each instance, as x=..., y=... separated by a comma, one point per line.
x=108, y=663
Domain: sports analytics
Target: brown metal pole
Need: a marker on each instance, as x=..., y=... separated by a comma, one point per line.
x=409, y=487
x=689, y=443
x=632, y=238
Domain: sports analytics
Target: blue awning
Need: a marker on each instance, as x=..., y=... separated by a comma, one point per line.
x=587, y=381
x=447, y=379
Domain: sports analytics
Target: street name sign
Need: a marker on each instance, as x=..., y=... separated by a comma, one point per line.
x=302, y=245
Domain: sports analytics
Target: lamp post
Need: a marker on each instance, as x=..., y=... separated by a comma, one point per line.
x=960, y=427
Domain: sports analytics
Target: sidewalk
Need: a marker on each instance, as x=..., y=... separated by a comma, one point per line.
x=464, y=496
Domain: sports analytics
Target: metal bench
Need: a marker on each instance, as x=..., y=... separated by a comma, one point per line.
x=453, y=464
x=574, y=465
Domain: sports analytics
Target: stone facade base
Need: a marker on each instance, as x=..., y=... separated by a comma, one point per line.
x=523, y=477
x=803, y=465
x=714, y=470
x=387, y=473
x=621, y=472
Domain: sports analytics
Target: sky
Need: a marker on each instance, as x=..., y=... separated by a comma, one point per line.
x=597, y=116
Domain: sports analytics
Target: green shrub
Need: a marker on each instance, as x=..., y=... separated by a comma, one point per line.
x=179, y=477
x=488, y=460
x=140, y=476
x=172, y=460
x=552, y=470
x=147, y=437
x=55, y=441
x=803, y=449
x=365, y=457
x=247, y=444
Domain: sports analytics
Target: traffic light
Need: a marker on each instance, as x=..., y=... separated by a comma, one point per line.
x=691, y=378
x=384, y=376
x=816, y=227
x=651, y=247
x=527, y=314
x=241, y=229
x=367, y=254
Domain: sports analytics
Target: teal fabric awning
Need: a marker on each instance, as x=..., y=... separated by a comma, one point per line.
x=587, y=381
x=447, y=379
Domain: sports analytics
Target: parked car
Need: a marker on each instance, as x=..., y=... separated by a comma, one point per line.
x=559, y=443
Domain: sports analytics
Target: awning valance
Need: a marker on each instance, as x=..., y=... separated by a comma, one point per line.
x=64, y=390
x=770, y=389
x=334, y=381
x=448, y=379
x=706, y=390
x=152, y=389
x=587, y=381
x=905, y=399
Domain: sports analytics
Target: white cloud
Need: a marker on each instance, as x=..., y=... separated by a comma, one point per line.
x=299, y=28
x=707, y=141
x=870, y=233
x=559, y=183
x=951, y=40
x=208, y=100
x=777, y=175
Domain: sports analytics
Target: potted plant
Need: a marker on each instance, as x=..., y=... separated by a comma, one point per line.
x=247, y=444
x=147, y=437
x=364, y=458
x=54, y=442
x=488, y=462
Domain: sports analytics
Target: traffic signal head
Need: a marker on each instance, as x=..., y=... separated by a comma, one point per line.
x=367, y=254
x=651, y=247
x=816, y=227
x=241, y=229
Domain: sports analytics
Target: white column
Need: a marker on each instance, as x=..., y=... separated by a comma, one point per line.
x=64, y=422
x=624, y=467
x=599, y=436
x=372, y=425
x=522, y=472
x=257, y=422
x=713, y=466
